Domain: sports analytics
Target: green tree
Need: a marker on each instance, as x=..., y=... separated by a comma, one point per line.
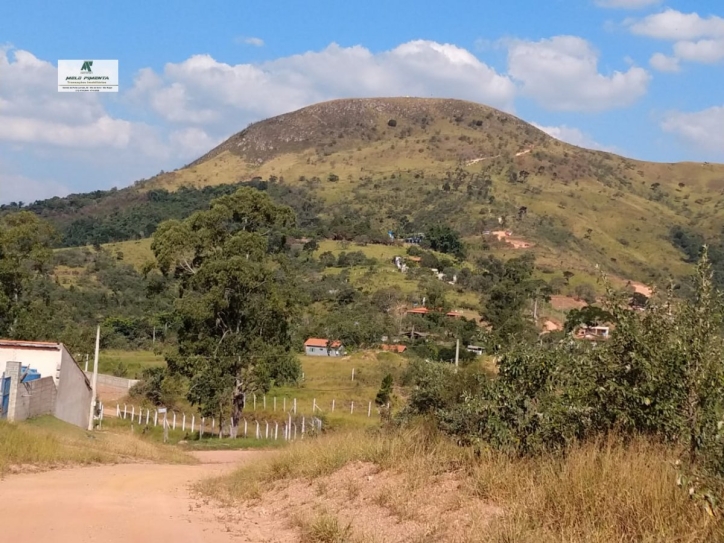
x=589, y=315
x=235, y=300
x=444, y=239
x=385, y=391
x=585, y=292
x=25, y=258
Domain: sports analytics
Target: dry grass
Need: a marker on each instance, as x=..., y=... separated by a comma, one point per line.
x=47, y=442
x=325, y=528
x=600, y=492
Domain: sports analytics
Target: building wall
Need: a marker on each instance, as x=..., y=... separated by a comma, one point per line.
x=18, y=402
x=42, y=394
x=111, y=387
x=46, y=360
x=322, y=351
x=73, y=399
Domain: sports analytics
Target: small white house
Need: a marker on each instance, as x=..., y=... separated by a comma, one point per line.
x=61, y=388
x=323, y=347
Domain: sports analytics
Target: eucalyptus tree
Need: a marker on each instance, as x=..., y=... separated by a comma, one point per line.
x=235, y=301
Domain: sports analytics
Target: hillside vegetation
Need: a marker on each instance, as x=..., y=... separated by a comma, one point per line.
x=357, y=168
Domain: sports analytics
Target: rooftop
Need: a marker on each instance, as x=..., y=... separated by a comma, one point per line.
x=321, y=342
x=16, y=344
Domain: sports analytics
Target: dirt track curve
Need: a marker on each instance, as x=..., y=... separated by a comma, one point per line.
x=129, y=503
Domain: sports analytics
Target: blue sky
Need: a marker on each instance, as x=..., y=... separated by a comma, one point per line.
x=639, y=77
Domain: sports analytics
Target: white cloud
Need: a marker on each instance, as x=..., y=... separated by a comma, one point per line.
x=574, y=136
x=697, y=39
x=626, y=4
x=562, y=73
x=251, y=40
x=662, y=63
x=675, y=26
x=704, y=51
x=205, y=92
x=192, y=142
x=18, y=188
x=104, y=131
x=32, y=111
x=702, y=129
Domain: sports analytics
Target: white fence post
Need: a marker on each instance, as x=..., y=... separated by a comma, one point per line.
x=174, y=420
x=264, y=402
x=369, y=409
x=133, y=412
x=295, y=430
x=254, y=402
x=183, y=422
x=351, y=408
x=125, y=410
x=244, y=427
x=332, y=406
x=193, y=420
x=295, y=406
x=118, y=411
x=140, y=415
x=266, y=431
x=148, y=416
x=257, y=430
x=276, y=430
x=275, y=403
x=314, y=406
x=353, y=374
x=213, y=424
x=303, y=427
x=155, y=417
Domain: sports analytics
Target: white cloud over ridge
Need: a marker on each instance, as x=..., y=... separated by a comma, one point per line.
x=203, y=91
x=18, y=188
x=702, y=129
x=574, y=136
x=561, y=73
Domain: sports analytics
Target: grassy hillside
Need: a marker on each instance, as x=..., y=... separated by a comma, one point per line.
x=419, y=161
x=407, y=163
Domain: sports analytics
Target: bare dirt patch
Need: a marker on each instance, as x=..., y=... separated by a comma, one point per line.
x=370, y=505
x=552, y=326
x=641, y=289
x=516, y=243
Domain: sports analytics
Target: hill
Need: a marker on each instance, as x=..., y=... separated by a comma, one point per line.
x=357, y=168
x=408, y=162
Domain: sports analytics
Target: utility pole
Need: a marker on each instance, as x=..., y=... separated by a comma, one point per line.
x=94, y=382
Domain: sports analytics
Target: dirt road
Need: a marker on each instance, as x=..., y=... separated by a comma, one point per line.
x=129, y=503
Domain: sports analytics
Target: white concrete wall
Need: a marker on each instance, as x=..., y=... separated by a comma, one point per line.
x=45, y=360
x=73, y=399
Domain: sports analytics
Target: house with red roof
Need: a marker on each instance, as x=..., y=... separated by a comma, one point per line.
x=315, y=346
